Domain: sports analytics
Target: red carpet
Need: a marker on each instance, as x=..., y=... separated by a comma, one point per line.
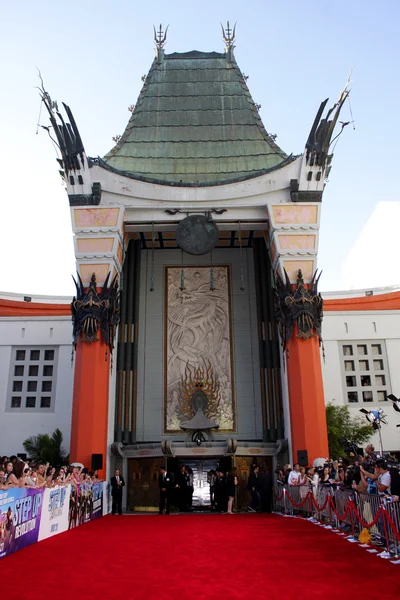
x=197, y=557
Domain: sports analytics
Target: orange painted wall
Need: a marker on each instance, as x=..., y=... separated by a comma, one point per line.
x=306, y=398
x=90, y=403
x=16, y=308
x=390, y=301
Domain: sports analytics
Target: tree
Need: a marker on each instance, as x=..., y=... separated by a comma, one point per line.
x=43, y=448
x=342, y=426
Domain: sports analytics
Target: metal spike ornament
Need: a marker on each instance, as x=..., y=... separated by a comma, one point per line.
x=160, y=37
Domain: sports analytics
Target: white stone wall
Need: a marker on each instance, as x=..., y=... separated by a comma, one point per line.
x=363, y=325
x=16, y=426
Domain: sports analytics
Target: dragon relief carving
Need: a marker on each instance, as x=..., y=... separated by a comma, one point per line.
x=301, y=305
x=197, y=379
x=94, y=311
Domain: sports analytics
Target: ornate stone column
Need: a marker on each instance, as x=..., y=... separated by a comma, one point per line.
x=299, y=313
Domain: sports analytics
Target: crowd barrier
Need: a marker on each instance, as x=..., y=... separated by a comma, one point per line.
x=29, y=515
x=344, y=509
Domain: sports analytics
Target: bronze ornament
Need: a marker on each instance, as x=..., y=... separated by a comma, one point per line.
x=94, y=311
x=301, y=306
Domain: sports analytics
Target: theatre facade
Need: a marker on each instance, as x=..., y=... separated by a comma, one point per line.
x=197, y=317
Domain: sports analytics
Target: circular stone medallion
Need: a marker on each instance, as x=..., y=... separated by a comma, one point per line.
x=197, y=234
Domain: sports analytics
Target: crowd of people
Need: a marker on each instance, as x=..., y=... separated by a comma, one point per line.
x=176, y=490
x=15, y=472
x=365, y=474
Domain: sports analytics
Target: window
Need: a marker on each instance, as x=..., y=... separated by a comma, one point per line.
x=32, y=379
x=366, y=377
x=352, y=396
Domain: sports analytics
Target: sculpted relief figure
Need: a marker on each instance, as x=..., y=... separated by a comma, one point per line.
x=198, y=333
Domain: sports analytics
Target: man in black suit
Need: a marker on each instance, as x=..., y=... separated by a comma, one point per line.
x=266, y=490
x=117, y=483
x=165, y=484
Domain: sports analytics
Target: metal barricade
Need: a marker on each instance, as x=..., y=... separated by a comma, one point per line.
x=368, y=506
x=393, y=512
x=323, y=512
x=341, y=499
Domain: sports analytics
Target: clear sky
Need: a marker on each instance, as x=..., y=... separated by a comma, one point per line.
x=92, y=56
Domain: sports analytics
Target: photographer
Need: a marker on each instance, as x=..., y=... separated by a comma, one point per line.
x=384, y=479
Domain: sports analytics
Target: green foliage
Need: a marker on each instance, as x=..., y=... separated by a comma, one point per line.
x=341, y=425
x=43, y=448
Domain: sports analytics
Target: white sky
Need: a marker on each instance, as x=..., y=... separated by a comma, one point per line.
x=92, y=56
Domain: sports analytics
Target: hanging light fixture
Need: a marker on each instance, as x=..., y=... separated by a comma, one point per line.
x=212, y=286
x=152, y=259
x=241, y=260
x=182, y=275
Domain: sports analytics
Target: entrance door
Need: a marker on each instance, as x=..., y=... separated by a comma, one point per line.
x=201, y=487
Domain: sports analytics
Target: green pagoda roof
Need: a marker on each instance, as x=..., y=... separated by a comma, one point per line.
x=194, y=124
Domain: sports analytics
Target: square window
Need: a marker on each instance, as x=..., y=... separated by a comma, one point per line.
x=33, y=371
x=362, y=349
x=352, y=396
x=49, y=355
x=30, y=402
x=46, y=386
x=367, y=397
x=364, y=365
x=351, y=381
x=17, y=386
x=380, y=380
x=365, y=380
x=378, y=365
x=349, y=365
x=18, y=371
x=20, y=355
x=382, y=396
x=47, y=370
x=348, y=350
x=376, y=349
x=16, y=402
x=32, y=386
x=45, y=402
x=35, y=355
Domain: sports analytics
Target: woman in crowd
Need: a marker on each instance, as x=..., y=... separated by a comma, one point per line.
x=231, y=483
x=11, y=478
x=304, y=483
x=325, y=478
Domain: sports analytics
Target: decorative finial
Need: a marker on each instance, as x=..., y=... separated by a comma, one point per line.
x=228, y=34
x=160, y=37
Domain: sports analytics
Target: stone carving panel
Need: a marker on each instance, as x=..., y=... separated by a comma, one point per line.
x=198, y=334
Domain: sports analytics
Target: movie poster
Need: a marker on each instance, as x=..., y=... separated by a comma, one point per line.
x=54, y=512
x=97, y=500
x=20, y=512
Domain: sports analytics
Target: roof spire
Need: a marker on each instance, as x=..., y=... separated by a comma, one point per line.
x=229, y=37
